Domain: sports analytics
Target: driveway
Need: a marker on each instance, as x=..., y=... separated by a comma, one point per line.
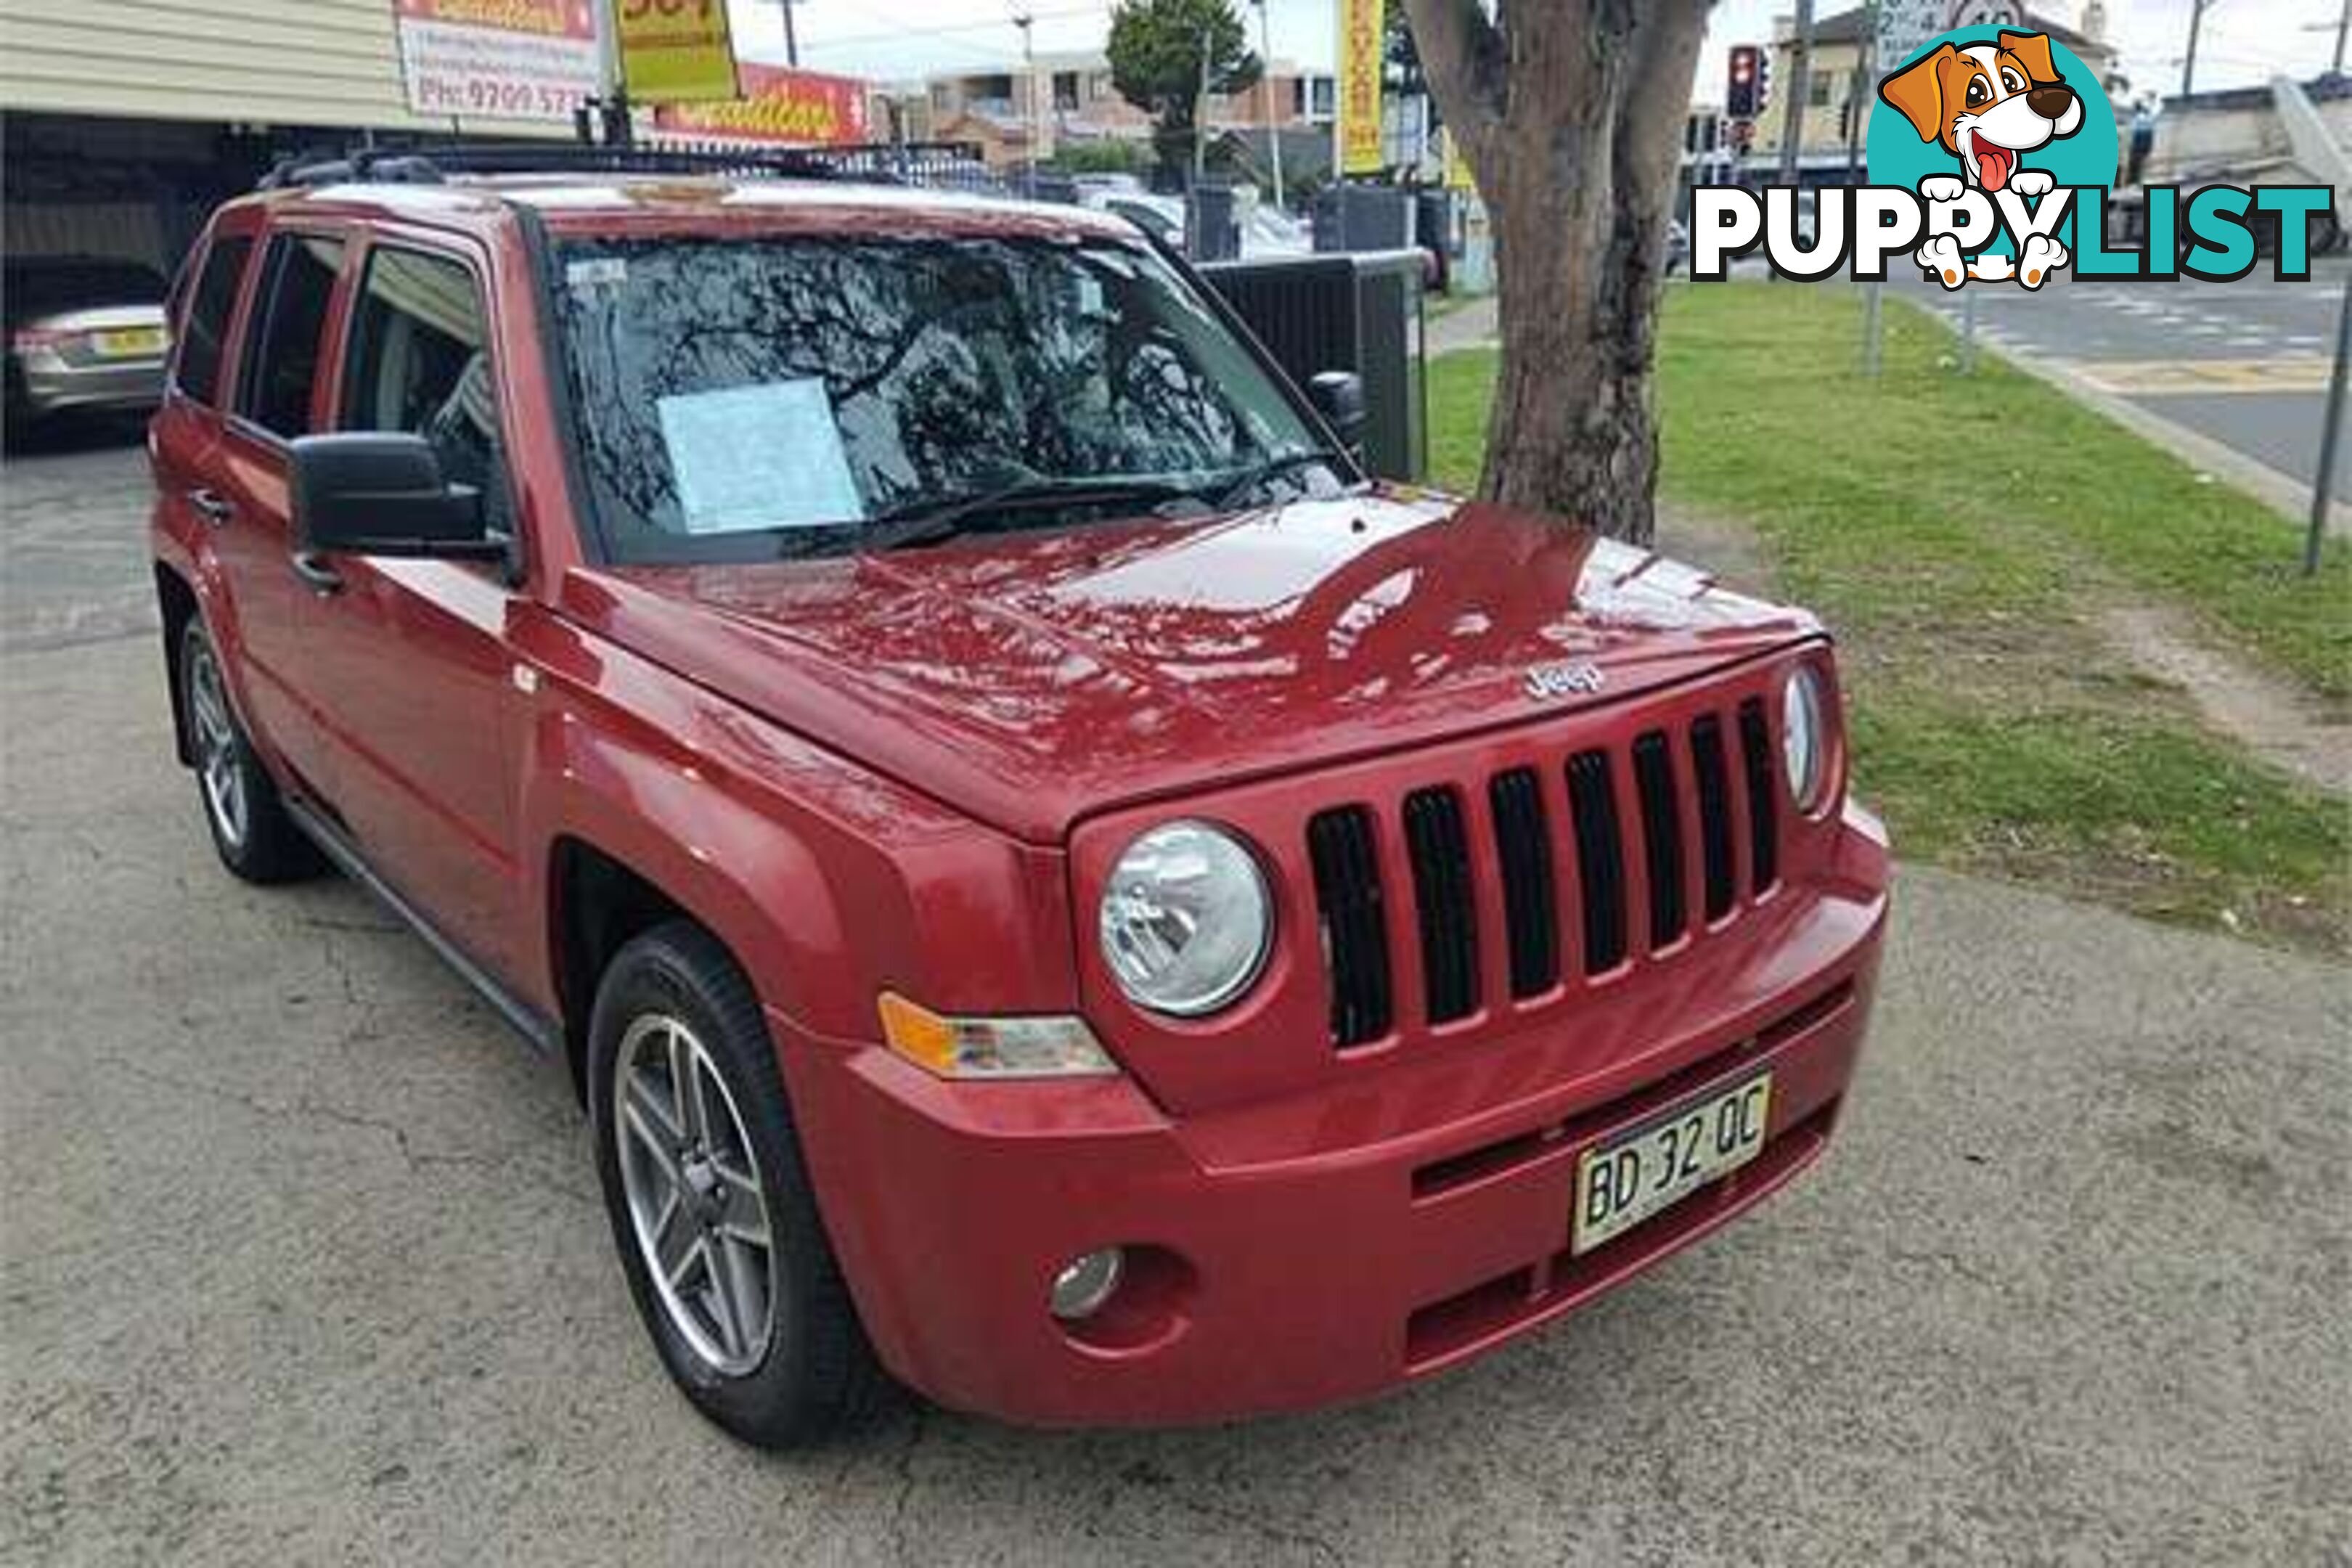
x=73, y=549
x=300, y=1260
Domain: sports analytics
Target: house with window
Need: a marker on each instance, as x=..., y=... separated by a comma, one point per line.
x=1029, y=110
x=1841, y=88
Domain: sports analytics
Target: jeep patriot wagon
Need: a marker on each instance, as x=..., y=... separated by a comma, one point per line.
x=1050, y=883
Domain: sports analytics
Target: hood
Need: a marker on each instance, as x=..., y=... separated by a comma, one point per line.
x=1029, y=680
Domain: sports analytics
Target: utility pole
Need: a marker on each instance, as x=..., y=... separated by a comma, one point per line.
x=2189, y=66
x=791, y=44
x=1800, y=88
x=2331, y=438
x=2342, y=29
x=1200, y=117
x=1022, y=20
x=1274, y=118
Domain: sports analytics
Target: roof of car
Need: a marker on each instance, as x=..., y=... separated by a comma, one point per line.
x=575, y=201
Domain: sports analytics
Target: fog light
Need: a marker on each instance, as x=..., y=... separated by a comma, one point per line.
x=1086, y=1282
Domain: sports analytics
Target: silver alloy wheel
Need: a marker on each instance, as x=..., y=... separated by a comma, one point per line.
x=218, y=761
x=695, y=1200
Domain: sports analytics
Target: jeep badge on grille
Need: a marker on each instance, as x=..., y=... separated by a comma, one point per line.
x=1550, y=683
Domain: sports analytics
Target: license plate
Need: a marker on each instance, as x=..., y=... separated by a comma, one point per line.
x=1623, y=1182
x=127, y=342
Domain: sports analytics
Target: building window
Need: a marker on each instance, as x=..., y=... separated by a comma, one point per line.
x=1818, y=89
x=1066, y=89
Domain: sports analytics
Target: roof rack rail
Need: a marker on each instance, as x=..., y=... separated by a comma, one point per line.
x=432, y=163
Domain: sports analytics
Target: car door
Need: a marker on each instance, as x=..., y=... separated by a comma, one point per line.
x=183, y=443
x=277, y=395
x=410, y=677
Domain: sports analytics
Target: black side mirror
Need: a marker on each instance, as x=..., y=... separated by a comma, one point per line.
x=383, y=494
x=1338, y=396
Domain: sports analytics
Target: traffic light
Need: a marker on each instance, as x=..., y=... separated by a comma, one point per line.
x=1746, y=96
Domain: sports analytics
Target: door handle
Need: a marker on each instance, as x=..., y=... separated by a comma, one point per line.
x=211, y=508
x=317, y=575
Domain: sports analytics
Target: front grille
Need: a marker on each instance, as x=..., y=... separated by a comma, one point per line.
x=1755, y=758
x=1662, y=836
x=1714, y=831
x=1346, y=861
x=1523, y=850
x=1600, y=859
x=1441, y=897
x=1578, y=856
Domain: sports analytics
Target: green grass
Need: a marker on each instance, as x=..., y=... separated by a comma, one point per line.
x=1959, y=534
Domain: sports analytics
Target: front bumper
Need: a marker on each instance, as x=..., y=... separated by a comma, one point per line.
x=1320, y=1248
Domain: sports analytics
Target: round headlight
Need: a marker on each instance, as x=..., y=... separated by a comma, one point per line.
x=1185, y=922
x=1804, y=739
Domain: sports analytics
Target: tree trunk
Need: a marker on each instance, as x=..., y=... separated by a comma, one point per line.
x=1571, y=114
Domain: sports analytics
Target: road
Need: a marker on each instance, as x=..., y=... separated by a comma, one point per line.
x=2244, y=364
x=301, y=1260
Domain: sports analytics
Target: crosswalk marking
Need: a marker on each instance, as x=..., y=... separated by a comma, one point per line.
x=2157, y=378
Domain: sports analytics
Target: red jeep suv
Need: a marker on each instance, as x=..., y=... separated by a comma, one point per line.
x=1048, y=881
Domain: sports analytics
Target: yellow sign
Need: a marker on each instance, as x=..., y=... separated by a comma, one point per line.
x=1363, y=34
x=675, y=51
x=1458, y=177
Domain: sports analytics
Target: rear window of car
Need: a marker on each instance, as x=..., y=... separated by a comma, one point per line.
x=206, y=327
x=289, y=332
x=49, y=285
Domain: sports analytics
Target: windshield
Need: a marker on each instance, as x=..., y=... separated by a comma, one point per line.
x=751, y=398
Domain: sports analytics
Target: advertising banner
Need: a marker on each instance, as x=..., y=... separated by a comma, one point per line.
x=507, y=59
x=1363, y=32
x=802, y=108
x=676, y=51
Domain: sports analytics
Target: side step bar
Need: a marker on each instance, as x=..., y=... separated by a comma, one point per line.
x=542, y=1033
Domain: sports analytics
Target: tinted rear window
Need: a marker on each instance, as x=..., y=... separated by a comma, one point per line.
x=288, y=332
x=47, y=286
x=202, y=334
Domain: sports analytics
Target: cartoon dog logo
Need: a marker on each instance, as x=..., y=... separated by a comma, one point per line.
x=1989, y=105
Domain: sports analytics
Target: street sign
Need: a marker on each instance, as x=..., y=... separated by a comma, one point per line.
x=505, y=59
x=676, y=51
x=1905, y=26
x=802, y=108
x=1363, y=46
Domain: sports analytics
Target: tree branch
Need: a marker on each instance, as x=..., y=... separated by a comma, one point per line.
x=1650, y=124
x=1463, y=55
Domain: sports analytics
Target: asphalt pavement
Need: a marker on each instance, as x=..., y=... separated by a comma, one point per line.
x=2242, y=365
x=301, y=1260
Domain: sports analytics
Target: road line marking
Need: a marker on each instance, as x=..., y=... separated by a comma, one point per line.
x=2184, y=377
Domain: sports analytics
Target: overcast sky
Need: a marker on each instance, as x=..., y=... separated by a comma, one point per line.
x=2245, y=42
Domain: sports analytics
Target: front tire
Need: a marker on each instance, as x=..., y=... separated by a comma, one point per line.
x=709, y=1201
x=255, y=838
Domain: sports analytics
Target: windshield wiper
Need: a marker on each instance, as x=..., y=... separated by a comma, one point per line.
x=1273, y=468
x=937, y=524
